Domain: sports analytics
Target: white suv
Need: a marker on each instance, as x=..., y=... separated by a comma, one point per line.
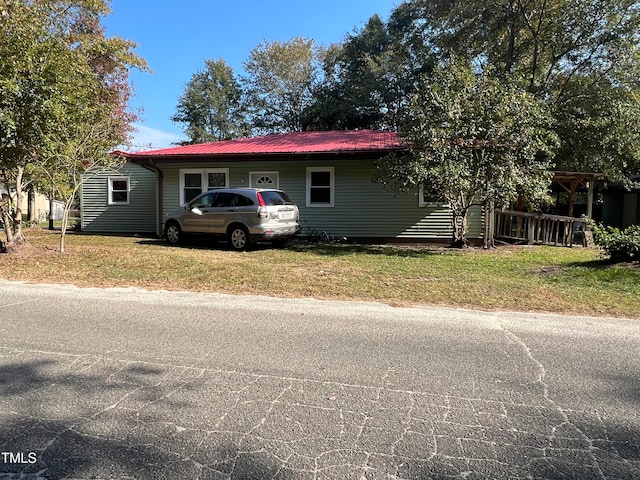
x=241, y=215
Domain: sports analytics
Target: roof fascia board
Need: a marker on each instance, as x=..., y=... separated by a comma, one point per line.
x=260, y=157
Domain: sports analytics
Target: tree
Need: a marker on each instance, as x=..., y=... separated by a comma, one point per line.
x=25, y=113
x=79, y=155
x=279, y=84
x=474, y=141
x=370, y=77
x=60, y=77
x=211, y=106
x=581, y=57
x=355, y=90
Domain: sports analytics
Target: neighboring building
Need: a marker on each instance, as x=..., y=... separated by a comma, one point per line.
x=328, y=174
x=40, y=205
x=621, y=208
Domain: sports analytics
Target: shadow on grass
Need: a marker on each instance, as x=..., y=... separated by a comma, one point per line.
x=605, y=263
x=342, y=249
x=203, y=243
x=190, y=243
x=316, y=248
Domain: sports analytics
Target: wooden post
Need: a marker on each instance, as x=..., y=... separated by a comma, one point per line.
x=572, y=197
x=51, y=208
x=590, y=199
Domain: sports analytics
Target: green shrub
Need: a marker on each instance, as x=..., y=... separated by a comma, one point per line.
x=620, y=245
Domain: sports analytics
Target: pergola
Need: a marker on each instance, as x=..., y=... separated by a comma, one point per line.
x=571, y=181
x=539, y=228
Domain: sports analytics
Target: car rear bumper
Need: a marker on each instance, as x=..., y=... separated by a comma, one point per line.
x=271, y=232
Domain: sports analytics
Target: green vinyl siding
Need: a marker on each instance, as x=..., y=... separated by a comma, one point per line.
x=361, y=208
x=612, y=209
x=137, y=216
x=621, y=209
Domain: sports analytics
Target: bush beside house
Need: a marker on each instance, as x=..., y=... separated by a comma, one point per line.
x=620, y=245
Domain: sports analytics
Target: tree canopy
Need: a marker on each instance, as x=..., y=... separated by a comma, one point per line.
x=60, y=78
x=279, y=84
x=581, y=57
x=370, y=77
x=474, y=141
x=211, y=107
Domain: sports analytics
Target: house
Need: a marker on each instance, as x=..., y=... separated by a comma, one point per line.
x=328, y=174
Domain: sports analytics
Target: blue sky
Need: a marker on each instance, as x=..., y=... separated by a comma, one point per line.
x=175, y=37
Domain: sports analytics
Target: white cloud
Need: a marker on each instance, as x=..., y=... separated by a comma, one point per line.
x=147, y=138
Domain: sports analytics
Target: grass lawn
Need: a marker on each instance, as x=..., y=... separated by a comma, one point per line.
x=544, y=279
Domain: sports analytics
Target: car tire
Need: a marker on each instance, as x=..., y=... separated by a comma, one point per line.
x=238, y=238
x=173, y=233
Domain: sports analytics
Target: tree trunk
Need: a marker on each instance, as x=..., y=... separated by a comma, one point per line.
x=459, y=224
x=32, y=217
x=6, y=221
x=17, y=239
x=65, y=222
x=65, y=216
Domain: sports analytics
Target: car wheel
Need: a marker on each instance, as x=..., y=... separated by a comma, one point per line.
x=238, y=238
x=173, y=233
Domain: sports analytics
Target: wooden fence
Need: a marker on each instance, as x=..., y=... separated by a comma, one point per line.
x=541, y=229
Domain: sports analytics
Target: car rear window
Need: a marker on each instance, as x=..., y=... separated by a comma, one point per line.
x=272, y=197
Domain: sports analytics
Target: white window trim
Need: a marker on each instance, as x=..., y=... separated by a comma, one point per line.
x=204, y=173
x=110, y=190
x=332, y=182
x=261, y=172
x=422, y=203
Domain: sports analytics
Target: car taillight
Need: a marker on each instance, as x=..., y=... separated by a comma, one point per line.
x=262, y=207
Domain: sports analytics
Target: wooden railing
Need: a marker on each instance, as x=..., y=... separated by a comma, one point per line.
x=537, y=228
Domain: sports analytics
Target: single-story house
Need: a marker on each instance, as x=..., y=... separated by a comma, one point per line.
x=328, y=174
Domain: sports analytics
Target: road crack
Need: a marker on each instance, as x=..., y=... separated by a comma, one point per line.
x=540, y=378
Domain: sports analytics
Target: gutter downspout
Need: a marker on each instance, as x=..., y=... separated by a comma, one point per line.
x=485, y=239
x=159, y=193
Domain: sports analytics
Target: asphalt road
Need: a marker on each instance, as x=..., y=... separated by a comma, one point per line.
x=124, y=383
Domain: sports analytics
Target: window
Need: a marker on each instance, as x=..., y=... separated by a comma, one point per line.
x=320, y=187
x=427, y=198
x=275, y=198
x=225, y=199
x=192, y=186
x=118, y=190
x=264, y=179
x=216, y=179
x=204, y=201
x=196, y=181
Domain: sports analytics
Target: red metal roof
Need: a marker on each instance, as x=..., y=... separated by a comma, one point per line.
x=352, y=141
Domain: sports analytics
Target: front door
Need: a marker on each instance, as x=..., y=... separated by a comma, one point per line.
x=264, y=179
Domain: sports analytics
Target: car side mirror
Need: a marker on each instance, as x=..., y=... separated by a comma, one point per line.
x=196, y=210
